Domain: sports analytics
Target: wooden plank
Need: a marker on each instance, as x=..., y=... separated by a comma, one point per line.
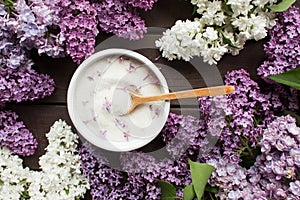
x=166, y=12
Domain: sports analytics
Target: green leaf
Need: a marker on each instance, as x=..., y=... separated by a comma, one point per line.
x=67, y=191
x=168, y=191
x=25, y=195
x=188, y=192
x=282, y=6
x=211, y=189
x=228, y=41
x=290, y=78
x=297, y=117
x=200, y=173
x=194, y=10
x=1, y=182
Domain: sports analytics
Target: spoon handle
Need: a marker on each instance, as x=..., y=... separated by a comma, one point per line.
x=209, y=91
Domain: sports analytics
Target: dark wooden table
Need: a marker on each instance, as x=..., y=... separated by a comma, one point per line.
x=40, y=115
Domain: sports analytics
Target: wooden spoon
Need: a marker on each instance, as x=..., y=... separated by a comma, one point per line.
x=209, y=91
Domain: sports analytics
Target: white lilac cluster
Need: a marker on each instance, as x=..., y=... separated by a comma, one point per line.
x=220, y=27
x=60, y=176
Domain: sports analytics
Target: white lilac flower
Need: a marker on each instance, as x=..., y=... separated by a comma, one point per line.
x=201, y=5
x=60, y=176
x=180, y=41
x=223, y=27
x=262, y=3
x=210, y=33
x=240, y=7
x=212, y=13
x=213, y=54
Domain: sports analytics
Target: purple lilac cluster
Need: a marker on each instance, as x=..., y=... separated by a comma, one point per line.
x=235, y=182
x=121, y=18
x=29, y=26
x=31, y=21
x=186, y=135
x=12, y=54
x=232, y=181
x=101, y=177
x=139, y=176
x=67, y=27
x=275, y=172
x=22, y=28
x=283, y=54
x=55, y=28
x=237, y=119
x=283, y=48
x=144, y=4
x=15, y=136
x=18, y=82
x=279, y=163
x=78, y=27
x=240, y=120
x=23, y=85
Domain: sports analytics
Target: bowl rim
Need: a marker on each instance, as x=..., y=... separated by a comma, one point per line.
x=81, y=127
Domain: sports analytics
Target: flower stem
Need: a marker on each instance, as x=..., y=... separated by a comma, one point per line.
x=245, y=143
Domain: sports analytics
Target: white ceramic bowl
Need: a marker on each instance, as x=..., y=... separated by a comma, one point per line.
x=92, y=81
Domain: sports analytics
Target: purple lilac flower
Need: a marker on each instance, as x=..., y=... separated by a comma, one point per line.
x=2, y=9
x=55, y=27
x=19, y=32
x=120, y=18
x=138, y=179
x=27, y=27
x=68, y=27
x=228, y=177
x=283, y=48
x=144, y=4
x=23, y=85
x=237, y=119
x=283, y=54
x=35, y=22
x=295, y=188
x=15, y=136
x=274, y=172
x=102, y=178
x=20, y=85
x=277, y=165
x=171, y=127
x=279, y=145
x=186, y=135
x=78, y=27
x=12, y=54
x=53, y=43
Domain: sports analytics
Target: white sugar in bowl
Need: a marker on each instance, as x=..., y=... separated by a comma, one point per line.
x=96, y=89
